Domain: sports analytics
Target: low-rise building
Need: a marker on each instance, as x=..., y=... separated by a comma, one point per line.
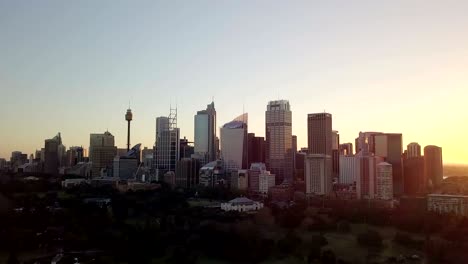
x=448, y=203
x=241, y=204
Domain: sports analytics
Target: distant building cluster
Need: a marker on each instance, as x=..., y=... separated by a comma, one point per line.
x=375, y=166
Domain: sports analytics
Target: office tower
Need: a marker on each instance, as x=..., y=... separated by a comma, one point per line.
x=2, y=164
x=433, y=165
x=186, y=148
x=320, y=136
x=366, y=166
x=240, y=180
x=234, y=144
x=335, y=155
x=346, y=149
x=212, y=174
x=125, y=167
x=128, y=118
x=17, y=159
x=254, y=174
x=413, y=150
x=256, y=149
x=390, y=147
x=167, y=144
x=278, y=130
x=366, y=141
x=51, y=154
x=187, y=173
x=74, y=156
x=415, y=181
x=319, y=164
x=299, y=165
x=266, y=180
x=318, y=170
x=294, y=151
x=347, y=170
x=205, y=134
x=146, y=153
x=384, y=182
x=102, y=151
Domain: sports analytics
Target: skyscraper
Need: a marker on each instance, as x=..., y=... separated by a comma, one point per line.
x=335, y=154
x=415, y=181
x=102, y=151
x=278, y=130
x=187, y=173
x=384, y=182
x=390, y=147
x=318, y=163
x=51, y=155
x=413, y=150
x=433, y=165
x=234, y=144
x=256, y=149
x=205, y=134
x=346, y=149
x=167, y=146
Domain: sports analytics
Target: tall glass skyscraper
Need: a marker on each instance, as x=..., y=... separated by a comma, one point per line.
x=205, y=134
x=234, y=144
x=278, y=130
x=167, y=145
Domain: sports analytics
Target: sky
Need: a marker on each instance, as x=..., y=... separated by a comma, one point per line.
x=75, y=66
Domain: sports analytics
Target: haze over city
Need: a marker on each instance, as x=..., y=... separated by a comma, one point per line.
x=74, y=67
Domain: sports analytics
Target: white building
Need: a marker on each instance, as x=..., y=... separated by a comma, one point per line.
x=384, y=181
x=366, y=170
x=446, y=203
x=266, y=181
x=234, y=144
x=318, y=174
x=241, y=204
x=347, y=170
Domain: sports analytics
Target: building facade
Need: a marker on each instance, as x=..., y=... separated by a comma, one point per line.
x=278, y=130
x=318, y=169
x=433, y=165
x=167, y=145
x=446, y=203
x=347, y=170
x=205, y=134
x=234, y=144
x=384, y=182
x=102, y=151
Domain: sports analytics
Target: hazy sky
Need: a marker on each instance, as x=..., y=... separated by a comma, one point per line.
x=391, y=66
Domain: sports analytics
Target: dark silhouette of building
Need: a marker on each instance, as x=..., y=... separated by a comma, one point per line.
x=256, y=149
x=433, y=165
x=186, y=148
x=413, y=150
x=415, y=182
x=319, y=134
x=51, y=155
x=187, y=173
x=335, y=155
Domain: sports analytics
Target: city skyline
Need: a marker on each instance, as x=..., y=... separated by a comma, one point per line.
x=73, y=68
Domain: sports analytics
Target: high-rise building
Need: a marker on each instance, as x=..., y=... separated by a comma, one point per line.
x=413, y=150
x=254, y=174
x=366, y=141
x=125, y=167
x=212, y=174
x=256, y=149
x=346, y=149
x=205, y=134
x=335, y=155
x=299, y=165
x=240, y=180
x=415, y=178
x=319, y=169
x=384, y=182
x=167, y=144
x=347, y=170
x=389, y=146
x=186, y=148
x=433, y=165
x=266, y=180
x=17, y=159
x=319, y=134
x=102, y=151
x=187, y=173
x=51, y=154
x=234, y=144
x=74, y=156
x=279, y=149
x=366, y=170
